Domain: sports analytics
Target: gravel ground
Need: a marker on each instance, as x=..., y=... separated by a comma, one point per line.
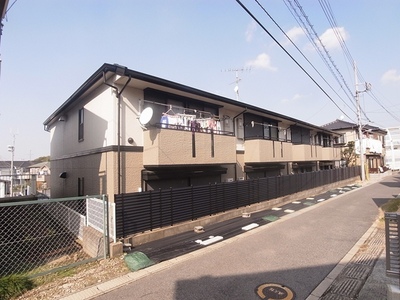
x=71, y=281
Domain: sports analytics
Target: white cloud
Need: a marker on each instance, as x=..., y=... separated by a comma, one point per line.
x=330, y=40
x=295, y=98
x=262, y=61
x=390, y=76
x=295, y=33
x=251, y=29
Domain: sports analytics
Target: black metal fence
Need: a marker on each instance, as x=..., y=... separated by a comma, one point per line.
x=138, y=212
x=392, y=232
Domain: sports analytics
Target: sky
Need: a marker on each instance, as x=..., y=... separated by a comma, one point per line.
x=49, y=48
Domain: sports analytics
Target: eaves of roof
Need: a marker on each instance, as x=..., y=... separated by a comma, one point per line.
x=343, y=125
x=98, y=75
x=3, y=9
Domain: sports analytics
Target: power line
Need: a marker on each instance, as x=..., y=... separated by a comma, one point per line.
x=291, y=41
x=332, y=21
x=294, y=60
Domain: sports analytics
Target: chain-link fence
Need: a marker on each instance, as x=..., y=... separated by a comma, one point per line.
x=42, y=236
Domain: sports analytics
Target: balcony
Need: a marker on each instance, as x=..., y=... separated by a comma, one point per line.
x=315, y=152
x=260, y=150
x=164, y=146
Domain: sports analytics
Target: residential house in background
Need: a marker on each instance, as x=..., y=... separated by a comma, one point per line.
x=124, y=131
x=373, y=142
x=42, y=172
x=19, y=177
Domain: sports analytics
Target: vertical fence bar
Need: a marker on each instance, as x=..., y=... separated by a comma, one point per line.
x=105, y=225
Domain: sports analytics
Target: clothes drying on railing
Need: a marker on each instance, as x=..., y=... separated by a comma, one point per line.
x=190, y=122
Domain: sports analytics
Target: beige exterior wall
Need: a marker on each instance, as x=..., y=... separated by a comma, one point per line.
x=260, y=150
x=99, y=126
x=174, y=147
x=99, y=172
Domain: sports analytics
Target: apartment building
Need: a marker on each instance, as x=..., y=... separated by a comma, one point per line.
x=372, y=141
x=124, y=131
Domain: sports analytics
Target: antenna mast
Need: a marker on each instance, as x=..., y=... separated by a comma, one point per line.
x=237, y=80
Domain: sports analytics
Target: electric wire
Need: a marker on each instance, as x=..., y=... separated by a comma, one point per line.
x=294, y=60
x=302, y=54
x=332, y=21
x=312, y=33
x=313, y=37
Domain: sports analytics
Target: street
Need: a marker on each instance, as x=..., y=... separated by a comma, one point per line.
x=291, y=255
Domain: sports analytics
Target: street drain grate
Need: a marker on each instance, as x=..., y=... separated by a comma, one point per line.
x=347, y=287
x=335, y=297
x=364, y=259
x=375, y=250
x=357, y=272
x=270, y=218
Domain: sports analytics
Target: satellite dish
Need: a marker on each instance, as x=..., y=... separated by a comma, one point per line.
x=146, y=116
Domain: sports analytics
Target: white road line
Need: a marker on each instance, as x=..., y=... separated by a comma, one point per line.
x=276, y=208
x=289, y=211
x=250, y=226
x=296, y=202
x=210, y=240
x=320, y=200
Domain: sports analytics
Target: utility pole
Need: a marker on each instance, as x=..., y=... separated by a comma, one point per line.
x=367, y=88
x=11, y=148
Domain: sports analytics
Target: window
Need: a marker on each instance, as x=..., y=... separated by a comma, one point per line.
x=80, y=125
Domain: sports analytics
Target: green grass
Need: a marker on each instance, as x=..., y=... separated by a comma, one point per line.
x=392, y=205
x=14, y=285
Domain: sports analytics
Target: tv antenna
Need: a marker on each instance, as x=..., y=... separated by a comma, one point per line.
x=237, y=80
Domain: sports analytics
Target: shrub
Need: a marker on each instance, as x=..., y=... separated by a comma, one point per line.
x=14, y=285
x=392, y=205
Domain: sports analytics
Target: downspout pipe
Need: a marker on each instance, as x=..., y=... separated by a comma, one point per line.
x=234, y=118
x=119, y=93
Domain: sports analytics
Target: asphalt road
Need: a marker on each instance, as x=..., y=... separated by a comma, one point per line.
x=291, y=255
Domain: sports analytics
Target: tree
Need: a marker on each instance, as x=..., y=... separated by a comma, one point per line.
x=42, y=159
x=349, y=154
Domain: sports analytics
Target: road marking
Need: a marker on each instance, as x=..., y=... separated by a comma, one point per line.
x=250, y=226
x=270, y=218
x=289, y=211
x=310, y=198
x=296, y=202
x=320, y=200
x=333, y=195
x=210, y=240
x=277, y=208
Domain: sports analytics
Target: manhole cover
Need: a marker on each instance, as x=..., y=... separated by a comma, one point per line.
x=274, y=291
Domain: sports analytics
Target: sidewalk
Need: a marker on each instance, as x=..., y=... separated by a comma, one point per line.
x=362, y=272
